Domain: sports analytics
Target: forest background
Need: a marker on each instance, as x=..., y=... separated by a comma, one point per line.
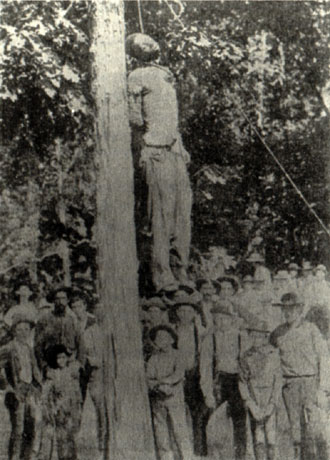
x=268, y=61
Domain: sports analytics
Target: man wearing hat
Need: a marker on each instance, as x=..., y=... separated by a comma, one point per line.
x=260, y=271
x=155, y=314
x=260, y=387
x=57, y=327
x=304, y=362
x=209, y=293
x=320, y=288
x=293, y=270
x=24, y=306
x=23, y=398
x=154, y=112
x=219, y=366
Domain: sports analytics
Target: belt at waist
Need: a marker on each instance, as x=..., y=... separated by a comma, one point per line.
x=299, y=376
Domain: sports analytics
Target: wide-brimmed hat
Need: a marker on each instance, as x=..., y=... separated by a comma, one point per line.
x=23, y=287
x=255, y=257
x=21, y=318
x=290, y=299
x=181, y=300
x=228, y=279
x=153, y=302
x=293, y=266
x=201, y=281
x=248, y=279
x=321, y=268
x=306, y=266
x=142, y=47
x=281, y=275
x=52, y=294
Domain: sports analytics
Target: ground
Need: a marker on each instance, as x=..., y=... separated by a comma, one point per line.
x=87, y=438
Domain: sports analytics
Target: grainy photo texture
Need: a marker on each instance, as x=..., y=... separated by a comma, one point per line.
x=164, y=230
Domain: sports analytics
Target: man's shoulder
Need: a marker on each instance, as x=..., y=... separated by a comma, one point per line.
x=277, y=333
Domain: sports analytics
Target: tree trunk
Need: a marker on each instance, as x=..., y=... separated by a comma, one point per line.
x=128, y=406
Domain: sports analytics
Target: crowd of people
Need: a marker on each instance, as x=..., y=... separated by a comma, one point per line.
x=247, y=343
x=250, y=343
x=51, y=355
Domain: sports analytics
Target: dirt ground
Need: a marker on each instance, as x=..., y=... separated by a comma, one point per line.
x=219, y=439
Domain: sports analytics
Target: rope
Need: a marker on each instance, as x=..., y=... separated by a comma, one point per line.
x=280, y=165
x=269, y=150
x=140, y=16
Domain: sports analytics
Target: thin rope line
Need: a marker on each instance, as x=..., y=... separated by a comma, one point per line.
x=279, y=164
x=269, y=150
x=140, y=16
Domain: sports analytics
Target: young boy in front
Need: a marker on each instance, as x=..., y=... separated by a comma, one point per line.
x=260, y=387
x=165, y=374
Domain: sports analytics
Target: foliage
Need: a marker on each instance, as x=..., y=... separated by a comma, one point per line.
x=265, y=61
x=268, y=63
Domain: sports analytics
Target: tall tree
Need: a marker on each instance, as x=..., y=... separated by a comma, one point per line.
x=130, y=418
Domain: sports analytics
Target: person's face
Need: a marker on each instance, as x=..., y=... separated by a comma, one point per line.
x=291, y=314
x=61, y=301
x=62, y=360
x=186, y=314
x=22, y=331
x=207, y=291
x=279, y=284
x=293, y=273
x=227, y=289
x=222, y=321
x=79, y=308
x=259, y=285
x=155, y=315
x=320, y=275
x=163, y=340
x=24, y=292
x=247, y=286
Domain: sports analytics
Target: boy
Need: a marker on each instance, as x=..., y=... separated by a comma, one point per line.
x=61, y=405
x=220, y=351
x=23, y=397
x=165, y=374
x=260, y=388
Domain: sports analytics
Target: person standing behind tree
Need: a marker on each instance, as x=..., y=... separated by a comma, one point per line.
x=154, y=110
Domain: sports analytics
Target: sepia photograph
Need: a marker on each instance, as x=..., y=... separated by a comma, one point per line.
x=164, y=230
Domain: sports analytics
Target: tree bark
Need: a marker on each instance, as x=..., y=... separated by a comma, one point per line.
x=127, y=398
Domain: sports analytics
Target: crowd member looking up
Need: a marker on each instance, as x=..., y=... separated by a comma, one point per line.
x=22, y=399
x=165, y=377
x=304, y=361
x=57, y=327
